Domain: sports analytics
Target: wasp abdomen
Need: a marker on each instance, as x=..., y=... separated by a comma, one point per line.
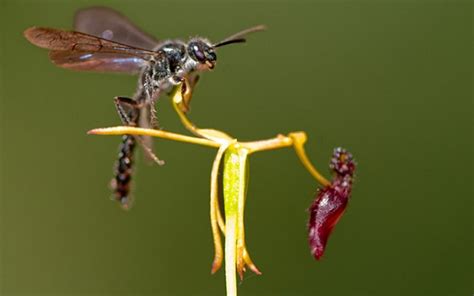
x=123, y=172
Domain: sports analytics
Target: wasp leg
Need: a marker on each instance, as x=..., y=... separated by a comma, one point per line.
x=187, y=92
x=195, y=80
x=153, y=117
x=129, y=112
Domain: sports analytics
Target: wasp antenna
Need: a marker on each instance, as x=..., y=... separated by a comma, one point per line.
x=226, y=42
x=239, y=36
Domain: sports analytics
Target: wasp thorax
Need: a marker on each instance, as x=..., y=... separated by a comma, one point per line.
x=176, y=54
x=202, y=52
x=160, y=70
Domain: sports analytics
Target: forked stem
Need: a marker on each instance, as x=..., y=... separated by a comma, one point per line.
x=235, y=155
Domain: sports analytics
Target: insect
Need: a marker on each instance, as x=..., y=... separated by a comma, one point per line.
x=104, y=40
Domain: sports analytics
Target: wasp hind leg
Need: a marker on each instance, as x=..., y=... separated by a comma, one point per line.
x=128, y=110
x=129, y=113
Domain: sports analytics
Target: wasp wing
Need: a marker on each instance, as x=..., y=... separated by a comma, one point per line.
x=56, y=39
x=84, y=52
x=97, y=61
x=109, y=24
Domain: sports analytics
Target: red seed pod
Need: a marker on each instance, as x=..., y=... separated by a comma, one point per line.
x=331, y=202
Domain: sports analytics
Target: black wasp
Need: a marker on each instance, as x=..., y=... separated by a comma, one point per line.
x=103, y=40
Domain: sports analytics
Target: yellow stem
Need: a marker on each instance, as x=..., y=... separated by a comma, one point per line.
x=295, y=139
x=129, y=130
x=299, y=139
x=231, y=281
x=184, y=119
x=210, y=134
x=280, y=141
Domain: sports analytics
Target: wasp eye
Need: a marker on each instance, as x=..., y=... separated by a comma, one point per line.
x=199, y=55
x=197, y=52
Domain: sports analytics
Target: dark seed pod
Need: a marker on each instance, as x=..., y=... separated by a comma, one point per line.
x=331, y=202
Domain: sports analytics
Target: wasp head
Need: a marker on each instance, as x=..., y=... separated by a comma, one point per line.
x=202, y=52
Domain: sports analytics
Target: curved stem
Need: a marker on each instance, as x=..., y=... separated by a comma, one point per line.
x=299, y=138
x=178, y=101
x=220, y=218
x=240, y=243
x=215, y=212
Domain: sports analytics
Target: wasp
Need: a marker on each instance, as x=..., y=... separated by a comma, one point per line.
x=103, y=40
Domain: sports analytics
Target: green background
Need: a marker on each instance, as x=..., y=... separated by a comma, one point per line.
x=390, y=81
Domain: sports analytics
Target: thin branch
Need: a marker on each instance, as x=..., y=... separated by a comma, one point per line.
x=280, y=141
x=299, y=139
x=129, y=130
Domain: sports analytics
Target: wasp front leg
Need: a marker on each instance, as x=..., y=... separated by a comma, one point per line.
x=187, y=91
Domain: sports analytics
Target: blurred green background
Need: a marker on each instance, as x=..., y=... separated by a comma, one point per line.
x=390, y=81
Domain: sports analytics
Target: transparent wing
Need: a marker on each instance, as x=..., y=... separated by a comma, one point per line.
x=109, y=24
x=83, y=52
x=97, y=61
x=56, y=39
